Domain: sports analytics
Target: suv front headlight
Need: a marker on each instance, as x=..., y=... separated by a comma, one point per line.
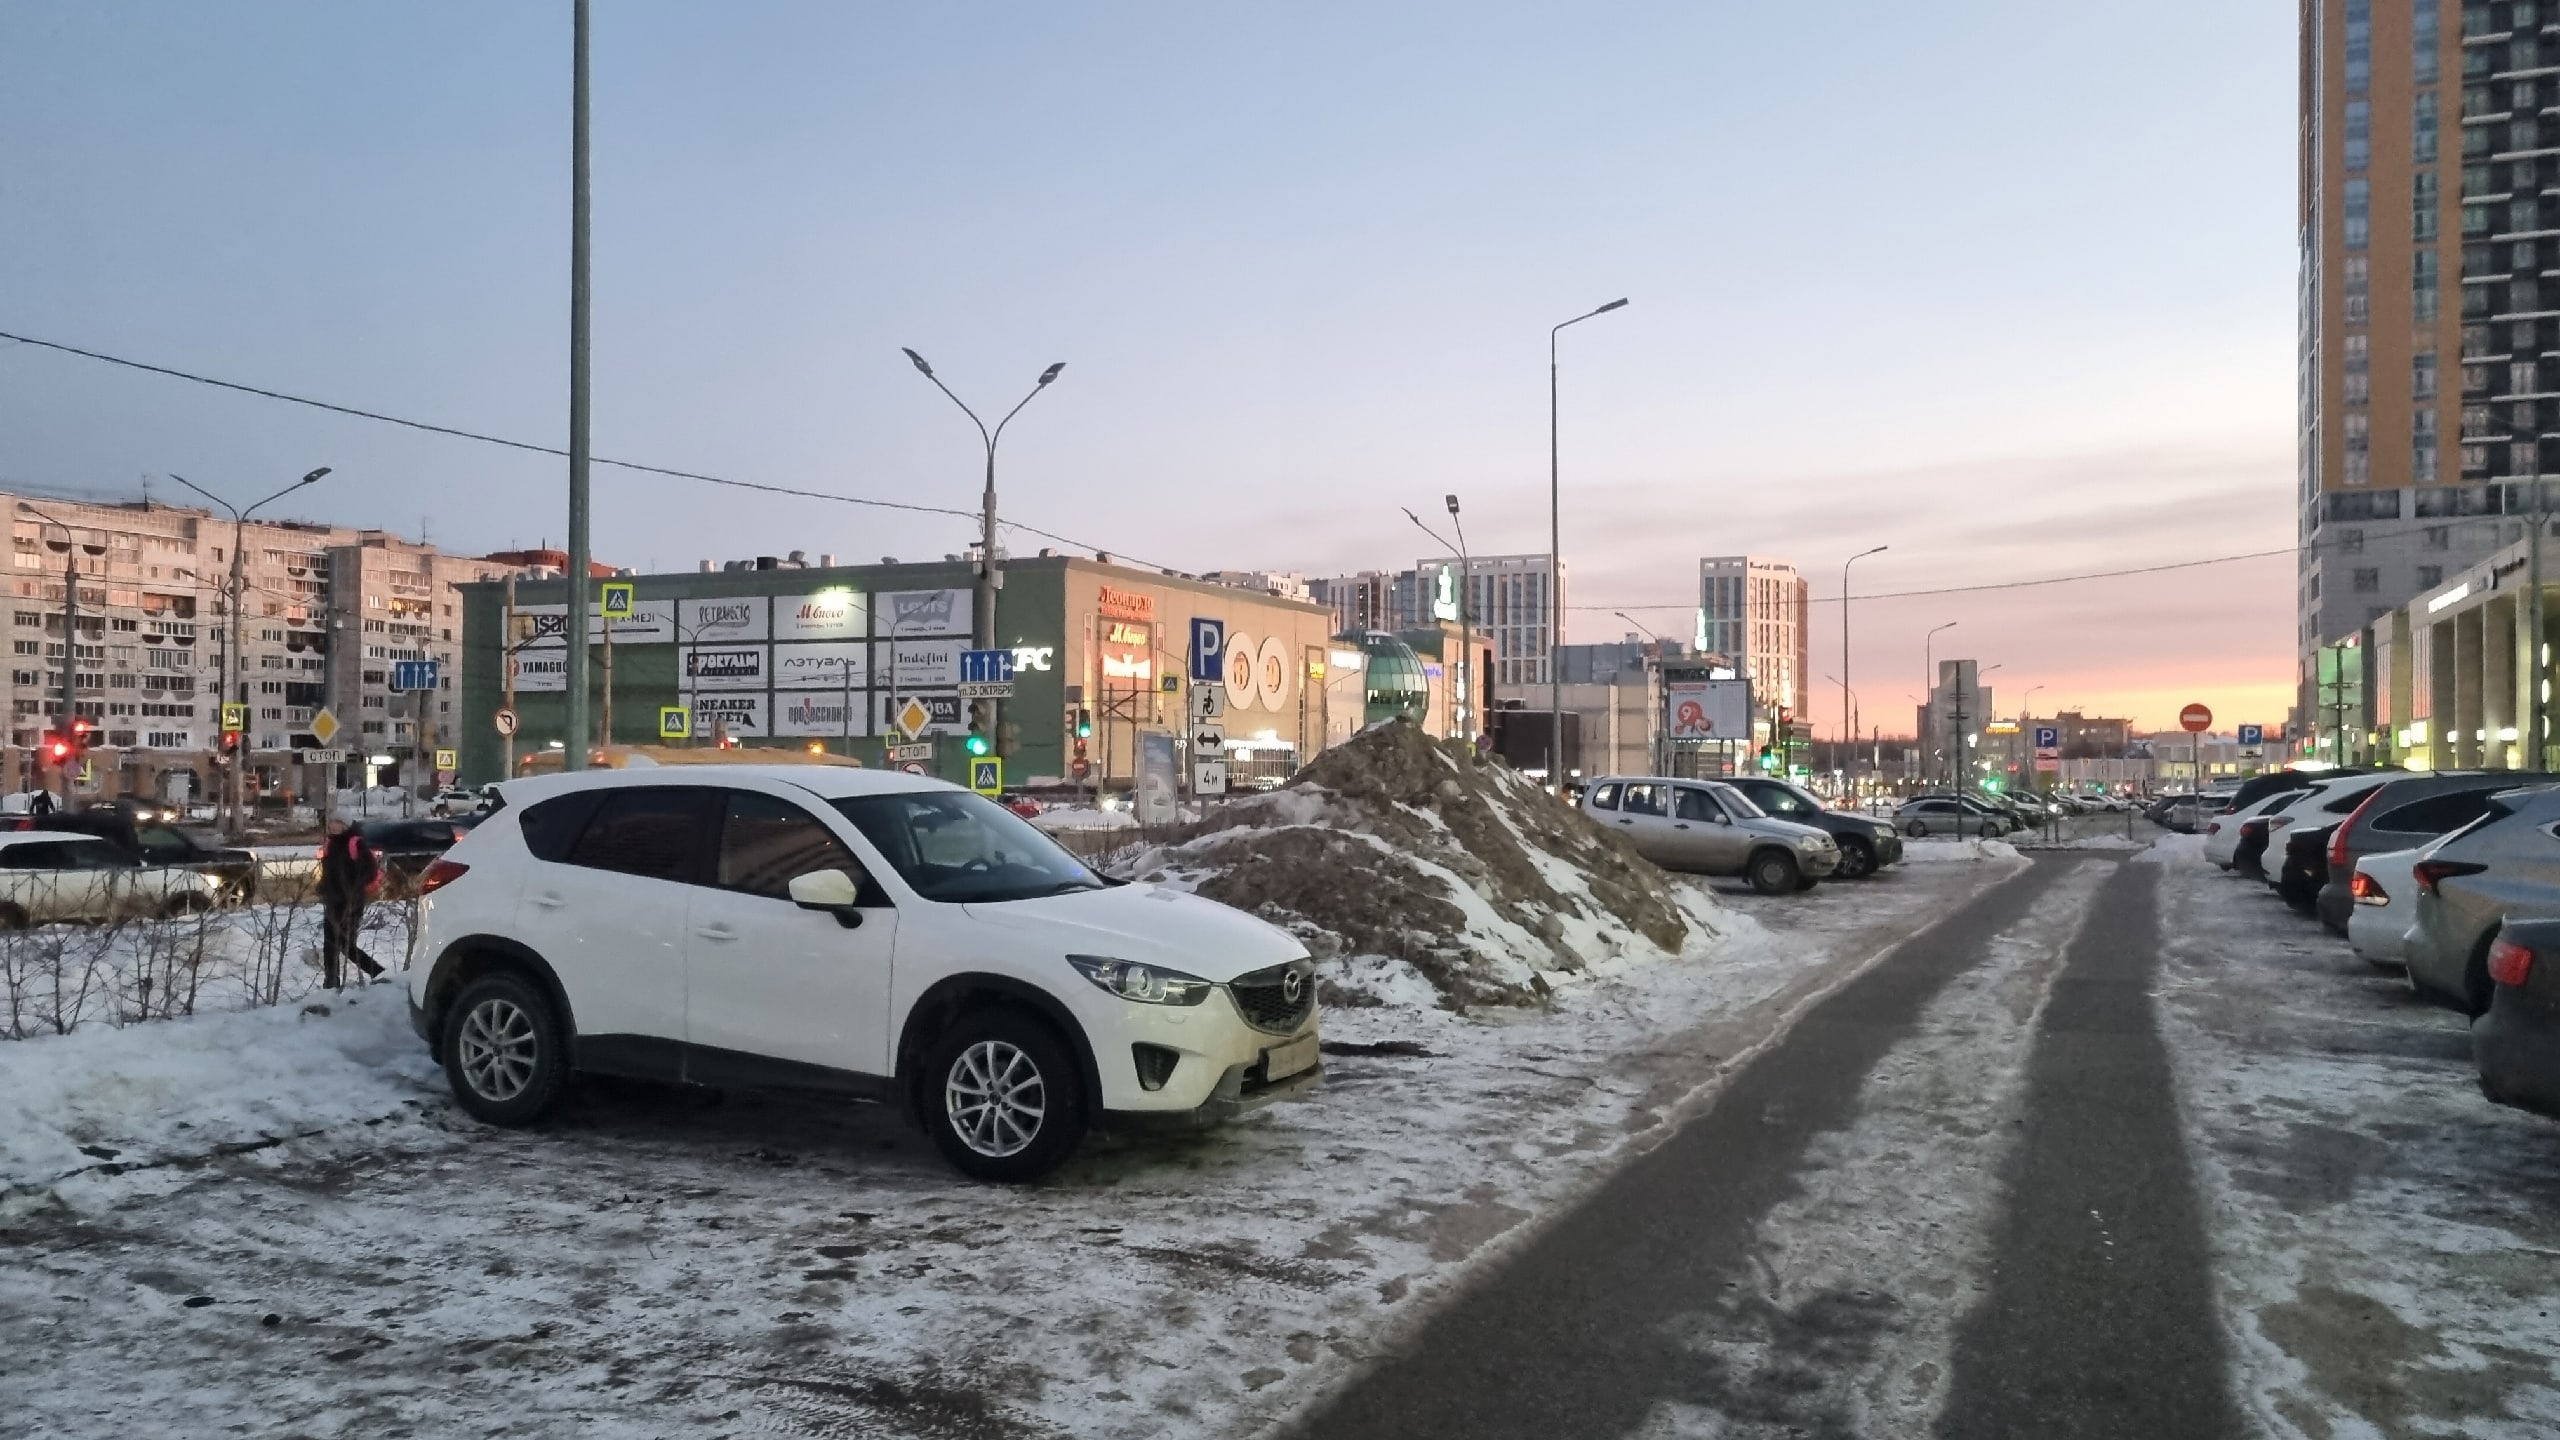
x=1146, y=984
x=1811, y=842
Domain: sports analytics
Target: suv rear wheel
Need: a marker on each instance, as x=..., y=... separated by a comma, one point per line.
x=1002, y=1097
x=503, y=1050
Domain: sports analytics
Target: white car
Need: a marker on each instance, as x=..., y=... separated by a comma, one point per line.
x=2222, y=832
x=454, y=800
x=50, y=875
x=2329, y=802
x=2386, y=892
x=855, y=931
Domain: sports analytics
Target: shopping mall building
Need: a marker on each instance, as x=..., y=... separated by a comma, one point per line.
x=777, y=654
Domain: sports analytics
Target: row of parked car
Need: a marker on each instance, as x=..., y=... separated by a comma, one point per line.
x=1990, y=815
x=2451, y=878
x=115, y=861
x=1774, y=833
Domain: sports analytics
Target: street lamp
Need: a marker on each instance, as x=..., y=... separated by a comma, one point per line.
x=235, y=686
x=71, y=548
x=982, y=626
x=1465, y=670
x=1555, y=563
x=1848, y=706
x=1929, y=650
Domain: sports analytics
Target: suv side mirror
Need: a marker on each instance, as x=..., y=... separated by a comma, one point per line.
x=830, y=890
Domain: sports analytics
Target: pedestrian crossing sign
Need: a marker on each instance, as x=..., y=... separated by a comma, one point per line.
x=987, y=776
x=675, y=722
x=617, y=600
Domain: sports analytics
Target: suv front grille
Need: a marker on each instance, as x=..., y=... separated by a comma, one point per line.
x=1269, y=1001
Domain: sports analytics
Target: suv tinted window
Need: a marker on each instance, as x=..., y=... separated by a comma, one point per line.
x=1606, y=797
x=656, y=832
x=766, y=842
x=2437, y=813
x=551, y=827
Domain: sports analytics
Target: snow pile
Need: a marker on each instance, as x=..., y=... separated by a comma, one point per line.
x=2173, y=849
x=1412, y=868
x=76, y=1109
x=1929, y=852
x=1079, y=818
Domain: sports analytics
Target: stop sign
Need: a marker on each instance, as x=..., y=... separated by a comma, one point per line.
x=2196, y=718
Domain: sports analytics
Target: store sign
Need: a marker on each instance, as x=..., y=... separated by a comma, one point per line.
x=652, y=622
x=819, y=713
x=943, y=712
x=1238, y=674
x=1271, y=675
x=833, y=665
x=539, y=672
x=1034, y=657
x=924, y=612
x=923, y=664
x=1126, y=666
x=743, y=617
x=725, y=667
x=834, y=614
x=1707, y=710
x=734, y=714
x=1125, y=604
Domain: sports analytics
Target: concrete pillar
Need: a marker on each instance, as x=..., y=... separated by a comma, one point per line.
x=2468, y=635
x=2501, y=694
x=2438, y=750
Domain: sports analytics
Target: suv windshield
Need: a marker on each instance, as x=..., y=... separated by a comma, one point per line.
x=961, y=848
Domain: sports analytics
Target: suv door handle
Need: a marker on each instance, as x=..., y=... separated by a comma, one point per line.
x=551, y=901
x=1623, y=821
x=716, y=932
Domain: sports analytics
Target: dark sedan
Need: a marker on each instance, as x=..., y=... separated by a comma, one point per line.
x=1866, y=846
x=2517, y=1043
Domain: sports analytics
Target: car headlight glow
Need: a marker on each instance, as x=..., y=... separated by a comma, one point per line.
x=1146, y=984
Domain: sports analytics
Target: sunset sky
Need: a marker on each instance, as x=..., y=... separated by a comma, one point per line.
x=2006, y=286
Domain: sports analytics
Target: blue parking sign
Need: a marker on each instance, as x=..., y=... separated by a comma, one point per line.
x=2253, y=735
x=2048, y=737
x=1208, y=650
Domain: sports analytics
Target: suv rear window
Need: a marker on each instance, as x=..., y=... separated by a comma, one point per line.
x=552, y=826
x=654, y=831
x=2437, y=813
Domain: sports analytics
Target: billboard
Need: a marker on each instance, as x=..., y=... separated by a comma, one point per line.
x=725, y=667
x=832, y=665
x=945, y=712
x=739, y=617
x=652, y=622
x=833, y=614
x=922, y=664
x=1707, y=710
x=923, y=612
x=817, y=713
x=542, y=671
x=733, y=714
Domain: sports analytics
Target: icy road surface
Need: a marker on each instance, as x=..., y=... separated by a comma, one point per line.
x=277, y=1223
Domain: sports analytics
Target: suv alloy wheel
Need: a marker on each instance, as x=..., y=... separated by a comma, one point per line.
x=1002, y=1097
x=502, y=1050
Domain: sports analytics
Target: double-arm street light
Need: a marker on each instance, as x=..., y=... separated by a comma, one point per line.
x=1848, y=708
x=982, y=625
x=235, y=685
x=1464, y=671
x=1555, y=562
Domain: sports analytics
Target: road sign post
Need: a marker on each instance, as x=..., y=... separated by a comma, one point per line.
x=2197, y=719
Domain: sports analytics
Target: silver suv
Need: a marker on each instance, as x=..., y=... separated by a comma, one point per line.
x=1711, y=828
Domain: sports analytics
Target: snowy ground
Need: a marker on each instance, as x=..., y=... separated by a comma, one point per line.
x=277, y=1221
x=2387, y=1242
x=58, y=978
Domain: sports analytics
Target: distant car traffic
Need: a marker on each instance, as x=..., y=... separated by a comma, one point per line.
x=1711, y=828
x=52, y=875
x=856, y=932
x=233, y=871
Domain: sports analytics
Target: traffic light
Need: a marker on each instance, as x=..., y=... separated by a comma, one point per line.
x=1084, y=723
x=976, y=744
x=1008, y=737
x=56, y=748
x=1768, y=758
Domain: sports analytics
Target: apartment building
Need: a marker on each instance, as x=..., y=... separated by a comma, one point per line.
x=2429, y=362
x=326, y=611
x=1752, y=611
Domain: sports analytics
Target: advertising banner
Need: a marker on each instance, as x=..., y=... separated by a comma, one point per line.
x=652, y=622
x=822, y=666
x=1707, y=710
x=735, y=714
x=816, y=713
x=944, y=712
x=739, y=617
x=1159, y=761
x=836, y=614
x=725, y=667
x=923, y=612
x=922, y=664
x=542, y=671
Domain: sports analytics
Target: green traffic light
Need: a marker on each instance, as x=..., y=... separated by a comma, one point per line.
x=977, y=743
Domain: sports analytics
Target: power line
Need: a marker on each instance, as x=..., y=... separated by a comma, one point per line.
x=527, y=445
x=1997, y=585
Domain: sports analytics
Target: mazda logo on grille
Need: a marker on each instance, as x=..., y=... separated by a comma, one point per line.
x=1292, y=986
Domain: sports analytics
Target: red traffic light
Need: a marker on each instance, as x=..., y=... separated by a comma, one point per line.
x=56, y=749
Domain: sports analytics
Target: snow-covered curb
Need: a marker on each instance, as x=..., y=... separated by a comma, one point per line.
x=1931, y=851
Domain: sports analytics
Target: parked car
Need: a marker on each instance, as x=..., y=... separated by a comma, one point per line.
x=2317, y=808
x=1021, y=804
x=407, y=847
x=52, y=875
x=853, y=931
x=234, y=872
x=1710, y=828
x=1983, y=805
x=2503, y=868
x=2385, y=899
x=2403, y=815
x=1866, y=846
x=454, y=800
x=2516, y=1043
x=2222, y=832
x=1928, y=816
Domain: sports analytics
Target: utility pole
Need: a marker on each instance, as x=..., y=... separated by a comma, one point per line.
x=235, y=685
x=1555, y=561
x=70, y=639
x=604, y=729
x=982, y=623
x=574, y=630
x=1848, y=706
x=507, y=659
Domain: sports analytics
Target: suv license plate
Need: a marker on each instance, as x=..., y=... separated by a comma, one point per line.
x=1282, y=1061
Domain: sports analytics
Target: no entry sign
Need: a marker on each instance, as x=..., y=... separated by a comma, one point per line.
x=2196, y=718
